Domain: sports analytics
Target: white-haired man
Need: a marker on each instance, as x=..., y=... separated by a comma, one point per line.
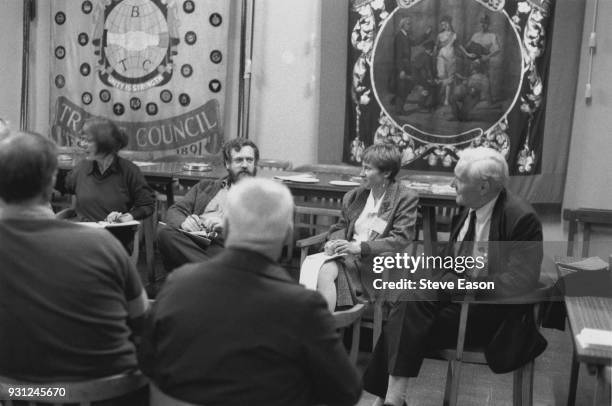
x=237, y=330
x=491, y=217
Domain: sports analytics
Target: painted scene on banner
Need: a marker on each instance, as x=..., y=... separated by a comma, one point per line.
x=140, y=64
x=437, y=76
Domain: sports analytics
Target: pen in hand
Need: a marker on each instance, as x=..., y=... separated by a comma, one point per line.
x=199, y=222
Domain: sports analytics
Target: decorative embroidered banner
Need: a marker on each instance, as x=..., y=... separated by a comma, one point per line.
x=154, y=67
x=437, y=76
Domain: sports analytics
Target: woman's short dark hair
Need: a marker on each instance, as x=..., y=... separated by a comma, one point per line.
x=28, y=162
x=107, y=136
x=237, y=144
x=384, y=157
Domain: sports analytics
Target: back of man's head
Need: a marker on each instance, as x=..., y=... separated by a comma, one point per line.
x=259, y=216
x=28, y=163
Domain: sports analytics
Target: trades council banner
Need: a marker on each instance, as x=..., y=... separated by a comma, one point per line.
x=157, y=68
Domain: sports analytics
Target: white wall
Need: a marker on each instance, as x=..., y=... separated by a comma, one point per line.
x=284, y=117
x=10, y=67
x=589, y=180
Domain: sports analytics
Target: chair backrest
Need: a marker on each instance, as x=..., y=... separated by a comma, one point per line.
x=587, y=217
x=314, y=219
x=275, y=164
x=82, y=392
x=310, y=220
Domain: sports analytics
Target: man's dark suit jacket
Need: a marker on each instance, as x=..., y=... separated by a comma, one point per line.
x=515, y=246
x=514, y=258
x=237, y=330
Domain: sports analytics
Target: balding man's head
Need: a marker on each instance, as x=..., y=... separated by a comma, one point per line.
x=259, y=215
x=28, y=163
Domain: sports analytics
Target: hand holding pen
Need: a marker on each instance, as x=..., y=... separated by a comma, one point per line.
x=193, y=223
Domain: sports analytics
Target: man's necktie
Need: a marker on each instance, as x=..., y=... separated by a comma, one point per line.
x=467, y=245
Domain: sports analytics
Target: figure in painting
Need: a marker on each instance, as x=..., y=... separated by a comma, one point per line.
x=483, y=46
x=402, y=82
x=445, y=59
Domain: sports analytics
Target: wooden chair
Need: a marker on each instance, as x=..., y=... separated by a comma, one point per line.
x=274, y=164
x=82, y=393
x=70, y=212
x=587, y=217
x=310, y=222
x=522, y=393
x=314, y=221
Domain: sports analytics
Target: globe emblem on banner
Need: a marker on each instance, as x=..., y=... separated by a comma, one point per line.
x=136, y=40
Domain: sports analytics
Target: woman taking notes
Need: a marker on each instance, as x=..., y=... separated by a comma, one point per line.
x=377, y=217
x=106, y=186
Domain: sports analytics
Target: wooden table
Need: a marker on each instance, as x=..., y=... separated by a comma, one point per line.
x=590, y=312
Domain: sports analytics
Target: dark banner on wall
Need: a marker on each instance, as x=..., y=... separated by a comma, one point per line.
x=156, y=68
x=437, y=76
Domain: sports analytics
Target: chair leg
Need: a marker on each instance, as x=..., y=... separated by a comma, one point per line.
x=602, y=394
x=355, y=341
x=522, y=394
x=449, y=381
x=575, y=369
x=149, y=237
x=454, y=389
x=378, y=319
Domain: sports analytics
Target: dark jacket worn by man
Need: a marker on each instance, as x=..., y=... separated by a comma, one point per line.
x=237, y=330
x=428, y=319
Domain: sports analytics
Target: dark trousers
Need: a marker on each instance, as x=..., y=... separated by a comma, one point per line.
x=422, y=321
x=177, y=249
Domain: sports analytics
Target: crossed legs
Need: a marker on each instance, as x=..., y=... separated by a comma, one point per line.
x=326, y=283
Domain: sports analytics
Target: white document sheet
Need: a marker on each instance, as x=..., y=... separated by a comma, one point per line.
x=309, y=272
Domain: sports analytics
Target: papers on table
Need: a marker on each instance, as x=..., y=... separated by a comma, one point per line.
x=591, y=337
x=587, y=264
x=302, y=178
x=144, y=163
x=343, y=183
x=443, y=190
x=435, y=188
x=197, y=167
x=309, y=273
